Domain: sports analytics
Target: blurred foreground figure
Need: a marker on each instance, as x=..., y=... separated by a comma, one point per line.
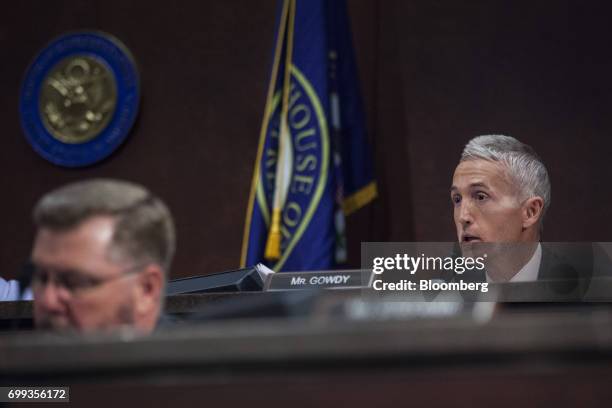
x=101, y=256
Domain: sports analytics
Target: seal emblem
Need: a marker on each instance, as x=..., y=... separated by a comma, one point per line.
x=79, y=98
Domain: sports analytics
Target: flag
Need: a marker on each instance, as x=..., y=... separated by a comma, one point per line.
x=313, y=165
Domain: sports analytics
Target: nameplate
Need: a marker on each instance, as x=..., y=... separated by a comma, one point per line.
x=317, y=280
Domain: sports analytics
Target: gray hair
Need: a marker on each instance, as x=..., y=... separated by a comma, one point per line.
x=523, y=164
x=144, y=229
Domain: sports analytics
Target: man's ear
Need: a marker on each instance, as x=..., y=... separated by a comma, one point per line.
x=532, y=211
x=149, y=289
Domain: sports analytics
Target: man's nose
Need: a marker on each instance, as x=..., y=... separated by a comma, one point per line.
x=466, y=216
x=51, y=297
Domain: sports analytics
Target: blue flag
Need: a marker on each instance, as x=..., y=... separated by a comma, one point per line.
x=313, y=164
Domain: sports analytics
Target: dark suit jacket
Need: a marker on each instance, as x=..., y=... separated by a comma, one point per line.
x=566, y=269
x=565, y=274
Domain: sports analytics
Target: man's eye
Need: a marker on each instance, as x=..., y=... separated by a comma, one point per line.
x=72, y=282
x=481, y=196
x=40, y=277
x=456, y=199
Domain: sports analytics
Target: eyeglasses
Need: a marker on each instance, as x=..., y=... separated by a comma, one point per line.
x=73, y=281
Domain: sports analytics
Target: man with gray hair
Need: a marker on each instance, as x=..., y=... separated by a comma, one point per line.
x=101, y=257
x=500, y=193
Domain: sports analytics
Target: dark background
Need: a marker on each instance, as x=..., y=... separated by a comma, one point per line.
x=434, y=74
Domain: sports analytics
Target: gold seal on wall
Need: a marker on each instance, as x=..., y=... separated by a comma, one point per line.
x=77, y=99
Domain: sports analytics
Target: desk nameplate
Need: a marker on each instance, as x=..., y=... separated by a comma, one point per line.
x=318, y=280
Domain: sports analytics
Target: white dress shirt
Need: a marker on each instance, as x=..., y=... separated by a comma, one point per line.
x=529, y=272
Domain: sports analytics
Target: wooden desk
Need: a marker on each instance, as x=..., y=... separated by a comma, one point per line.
x=517, y=360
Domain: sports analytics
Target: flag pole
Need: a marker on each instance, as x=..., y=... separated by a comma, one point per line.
x=262, y=137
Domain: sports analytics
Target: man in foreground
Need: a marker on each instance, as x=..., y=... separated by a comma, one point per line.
x=101, y=257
